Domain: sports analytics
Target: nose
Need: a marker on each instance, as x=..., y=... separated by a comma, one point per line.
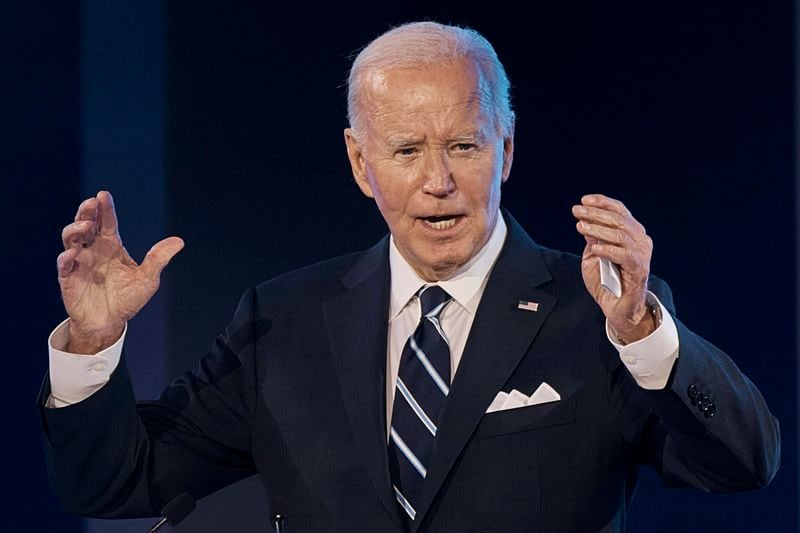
x=437, y=175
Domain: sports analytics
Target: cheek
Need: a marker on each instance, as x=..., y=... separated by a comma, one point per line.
x=483, y=186
x=392, y=186
x=390, y=197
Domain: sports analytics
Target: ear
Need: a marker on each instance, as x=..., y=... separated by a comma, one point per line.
x=357, y=162
x=508, y=154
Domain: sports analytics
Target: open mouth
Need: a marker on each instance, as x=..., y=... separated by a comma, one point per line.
x=441, y=222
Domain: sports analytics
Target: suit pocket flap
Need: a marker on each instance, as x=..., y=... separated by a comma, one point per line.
x=528, y=418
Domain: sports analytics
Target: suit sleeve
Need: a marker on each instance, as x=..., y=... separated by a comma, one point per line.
x=710, y=428
x=111, y=457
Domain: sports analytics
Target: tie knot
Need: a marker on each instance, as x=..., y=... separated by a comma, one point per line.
x=433, y=299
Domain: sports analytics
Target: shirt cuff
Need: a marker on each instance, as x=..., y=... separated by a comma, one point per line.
x=75, y=377
x=650, y=360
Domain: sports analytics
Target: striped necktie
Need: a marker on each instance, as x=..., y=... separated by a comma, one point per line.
x=423, y=382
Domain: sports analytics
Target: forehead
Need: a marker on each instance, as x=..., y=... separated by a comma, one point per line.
x=441, y=97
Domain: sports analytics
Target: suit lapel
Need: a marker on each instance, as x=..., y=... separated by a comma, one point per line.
x=357, y=325
x=500, y=336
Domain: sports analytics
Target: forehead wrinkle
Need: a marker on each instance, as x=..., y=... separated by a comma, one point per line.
x=471, y=124
x=453, y=113
x=443, y=127
x=411, y=115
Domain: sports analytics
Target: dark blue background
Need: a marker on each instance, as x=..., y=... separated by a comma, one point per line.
x=223, y=126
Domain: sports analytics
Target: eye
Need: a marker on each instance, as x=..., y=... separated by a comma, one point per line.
x=463, y=147
x=406, y=151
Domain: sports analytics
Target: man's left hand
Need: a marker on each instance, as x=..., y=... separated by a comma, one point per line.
x=612, y=233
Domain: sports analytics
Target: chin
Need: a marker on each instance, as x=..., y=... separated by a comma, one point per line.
x=444, y=267
x=440, y=260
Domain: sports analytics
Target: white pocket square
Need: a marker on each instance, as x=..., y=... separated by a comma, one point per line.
x=515, y=399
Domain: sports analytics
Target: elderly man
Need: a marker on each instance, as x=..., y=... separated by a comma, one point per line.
x=454, y=377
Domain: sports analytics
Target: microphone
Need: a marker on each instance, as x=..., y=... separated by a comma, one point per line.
x=175, y=511
x=278, y=513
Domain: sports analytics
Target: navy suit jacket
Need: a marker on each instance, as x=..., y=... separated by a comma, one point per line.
x=295, y=392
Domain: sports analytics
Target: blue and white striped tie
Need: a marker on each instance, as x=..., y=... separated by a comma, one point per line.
x=423, y=382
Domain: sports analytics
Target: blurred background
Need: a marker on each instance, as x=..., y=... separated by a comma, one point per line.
x=223, y=125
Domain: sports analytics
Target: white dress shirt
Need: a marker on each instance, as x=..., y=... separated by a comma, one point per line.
x=76, y=377
x=465, y=286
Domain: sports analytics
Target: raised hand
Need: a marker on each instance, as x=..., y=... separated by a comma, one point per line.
x=612, y=233
x=101, y=285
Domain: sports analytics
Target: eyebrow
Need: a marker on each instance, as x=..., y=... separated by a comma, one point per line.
x=403, y=140
x=398, y=140
x=473, y=135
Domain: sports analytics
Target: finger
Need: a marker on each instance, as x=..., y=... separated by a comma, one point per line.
x=587, y=250
x=65, y=262
x=160, y=255
x=87, y=210
x=78, y=234
x=107, y=220
x=605, y=202
x=590, y=240
x=617, y=217
x=630, y=225
x=618, y=237
x=598, y=215
x=624, y=257
x=609, y=218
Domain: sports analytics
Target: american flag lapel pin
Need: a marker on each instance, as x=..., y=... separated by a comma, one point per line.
x=528, y=306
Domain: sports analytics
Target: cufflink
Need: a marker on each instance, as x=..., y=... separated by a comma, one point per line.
x=655, y=312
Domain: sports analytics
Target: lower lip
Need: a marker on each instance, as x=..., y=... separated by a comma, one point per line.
x=443, y=226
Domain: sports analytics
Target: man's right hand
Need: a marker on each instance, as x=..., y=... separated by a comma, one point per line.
x=102, y=287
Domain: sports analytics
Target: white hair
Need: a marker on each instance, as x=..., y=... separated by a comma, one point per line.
x=425, y=43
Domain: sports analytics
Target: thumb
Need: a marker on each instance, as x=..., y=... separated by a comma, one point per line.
x=587, y=250
x=159, y=256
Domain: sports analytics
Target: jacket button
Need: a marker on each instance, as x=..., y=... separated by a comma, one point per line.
x=692, y=393
x=708, y=408
x=705, y=404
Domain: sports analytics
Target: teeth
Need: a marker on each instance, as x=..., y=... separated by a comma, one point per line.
x=442, y=224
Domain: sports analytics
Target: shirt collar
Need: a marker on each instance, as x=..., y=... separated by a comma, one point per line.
x=463, y=286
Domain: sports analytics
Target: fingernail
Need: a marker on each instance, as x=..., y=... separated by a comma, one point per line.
x=580, y=209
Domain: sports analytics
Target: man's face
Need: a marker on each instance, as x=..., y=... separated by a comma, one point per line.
x=433, y=160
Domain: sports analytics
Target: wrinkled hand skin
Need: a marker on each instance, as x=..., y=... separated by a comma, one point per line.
x=611, y=232
x=101, y=285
